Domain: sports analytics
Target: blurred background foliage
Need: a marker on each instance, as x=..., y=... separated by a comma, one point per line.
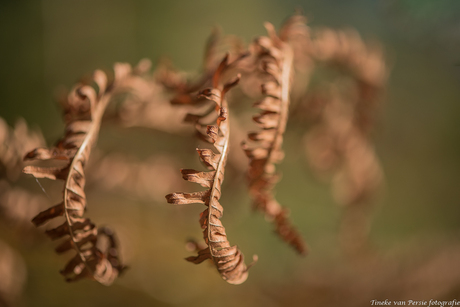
x=49, y=43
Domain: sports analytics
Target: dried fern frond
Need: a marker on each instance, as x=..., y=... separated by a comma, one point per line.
x=14, y=144
x=275, y=58
x=228, y=259
x=83, y=114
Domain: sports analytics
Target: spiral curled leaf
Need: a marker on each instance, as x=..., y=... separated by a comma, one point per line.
x=228, y=259
x=83, y=113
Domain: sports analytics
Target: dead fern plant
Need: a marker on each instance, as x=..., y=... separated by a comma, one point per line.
x=277, y=69
x=274, y=60
x=228, y=259
x=83, y=115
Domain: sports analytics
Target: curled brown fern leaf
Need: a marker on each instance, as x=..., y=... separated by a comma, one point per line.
x=275, y=58
x=83, y=113
x=228, y=259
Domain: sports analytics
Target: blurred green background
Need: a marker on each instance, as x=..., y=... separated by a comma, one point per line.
x=48, y=43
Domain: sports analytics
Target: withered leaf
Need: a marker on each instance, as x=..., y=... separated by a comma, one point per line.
x=228, y=259
x=84, y=109
x=275, y=59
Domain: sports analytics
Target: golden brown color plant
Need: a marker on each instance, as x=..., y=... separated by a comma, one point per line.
x=275, y=71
